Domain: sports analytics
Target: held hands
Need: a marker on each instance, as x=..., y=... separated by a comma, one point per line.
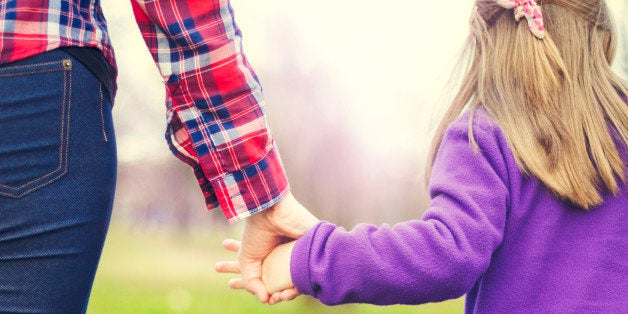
x=285, y=221
x=275, y=271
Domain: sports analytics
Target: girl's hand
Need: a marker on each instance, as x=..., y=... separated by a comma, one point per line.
x=280, y=255
x=276, y=268
x=284, y=221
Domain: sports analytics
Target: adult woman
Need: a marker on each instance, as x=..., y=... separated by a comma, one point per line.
x=57, y=148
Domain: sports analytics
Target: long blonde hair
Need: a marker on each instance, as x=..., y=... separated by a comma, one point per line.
x=556, y=99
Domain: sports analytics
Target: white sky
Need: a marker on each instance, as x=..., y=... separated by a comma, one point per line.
x=390, y=59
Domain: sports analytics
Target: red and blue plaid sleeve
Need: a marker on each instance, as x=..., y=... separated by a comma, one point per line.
x=216, y=122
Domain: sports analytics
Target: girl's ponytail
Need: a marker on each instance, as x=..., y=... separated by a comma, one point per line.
x=554, y=96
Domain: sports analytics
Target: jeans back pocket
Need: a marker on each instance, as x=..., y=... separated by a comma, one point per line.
x=34, y=123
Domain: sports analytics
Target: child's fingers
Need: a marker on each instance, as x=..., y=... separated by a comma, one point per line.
x=231, y=245
x=285, y=295
x=289, y=294
x=230, y=267
x=275, y=298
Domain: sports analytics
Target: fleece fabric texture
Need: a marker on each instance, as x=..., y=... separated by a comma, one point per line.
x=490, y=232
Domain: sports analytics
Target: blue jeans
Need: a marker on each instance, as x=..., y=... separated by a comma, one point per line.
x=57, y=180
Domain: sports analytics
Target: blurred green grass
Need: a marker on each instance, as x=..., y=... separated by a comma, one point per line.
x=156, y=272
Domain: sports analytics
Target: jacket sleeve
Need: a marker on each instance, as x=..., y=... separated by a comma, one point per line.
x=436, y=258
x=214, y=102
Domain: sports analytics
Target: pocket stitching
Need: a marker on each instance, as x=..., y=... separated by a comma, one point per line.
x=102, y=115
x=31, y=65
x=64, y=136
x=31, y=72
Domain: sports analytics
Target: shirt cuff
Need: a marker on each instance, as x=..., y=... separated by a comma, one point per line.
x=239, y=193
x=252, y=189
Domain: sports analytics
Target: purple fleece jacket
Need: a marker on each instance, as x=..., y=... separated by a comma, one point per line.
x=490, y=232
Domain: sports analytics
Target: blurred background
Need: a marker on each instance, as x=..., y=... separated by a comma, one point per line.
x=353, y=90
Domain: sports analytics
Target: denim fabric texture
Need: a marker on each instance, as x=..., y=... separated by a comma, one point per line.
x=57, y=182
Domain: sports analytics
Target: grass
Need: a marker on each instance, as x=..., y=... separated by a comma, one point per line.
x=154, y=272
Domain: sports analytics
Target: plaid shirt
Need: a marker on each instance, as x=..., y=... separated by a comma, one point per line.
x=214, y=101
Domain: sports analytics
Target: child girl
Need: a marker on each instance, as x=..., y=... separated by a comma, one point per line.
x=527, y=182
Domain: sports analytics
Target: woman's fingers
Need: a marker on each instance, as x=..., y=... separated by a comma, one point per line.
x=236, y=283
x=231, y=267
x=228, y=267
x=254, y=284
x=231, y=245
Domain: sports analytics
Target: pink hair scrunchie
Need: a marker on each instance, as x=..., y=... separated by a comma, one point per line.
x=528, y=9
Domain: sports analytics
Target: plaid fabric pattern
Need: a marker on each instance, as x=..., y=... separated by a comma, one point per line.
x=215, y=114
x=214, y=101
x=30, y=27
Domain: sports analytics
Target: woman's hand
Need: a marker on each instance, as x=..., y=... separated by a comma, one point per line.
x=287, y=220
x=275, y=271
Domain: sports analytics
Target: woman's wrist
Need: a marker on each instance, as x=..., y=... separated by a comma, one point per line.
x=289, y=218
